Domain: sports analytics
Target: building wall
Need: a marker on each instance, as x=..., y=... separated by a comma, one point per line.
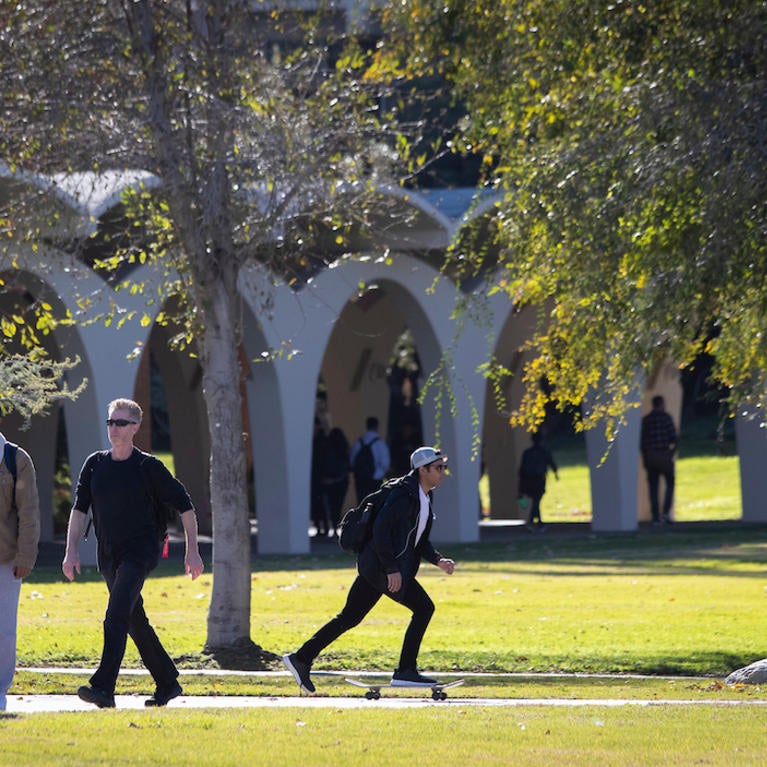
x=346, y=338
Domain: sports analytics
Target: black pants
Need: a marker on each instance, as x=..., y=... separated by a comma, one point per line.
x=125, y=616
x=360, y=601
x=533, y=486
x=653, y=486
x=535, y=510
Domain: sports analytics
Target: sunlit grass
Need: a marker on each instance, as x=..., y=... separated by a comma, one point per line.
x=683, y=606
x=707, y=489
x=592, y=735
x=675, y=603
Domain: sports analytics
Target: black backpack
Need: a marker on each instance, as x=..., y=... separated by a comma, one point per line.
x=164, y=514
x=356, y=527
x=364, y=465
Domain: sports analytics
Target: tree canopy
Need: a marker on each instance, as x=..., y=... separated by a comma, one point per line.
x=628, y=139
x=270, y=130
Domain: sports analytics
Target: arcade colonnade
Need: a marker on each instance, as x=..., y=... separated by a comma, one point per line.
x=345, y=338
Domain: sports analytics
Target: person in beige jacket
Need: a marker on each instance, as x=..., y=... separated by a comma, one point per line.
x=19, y=536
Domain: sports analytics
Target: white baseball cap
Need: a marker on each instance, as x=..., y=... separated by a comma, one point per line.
x=424, y=455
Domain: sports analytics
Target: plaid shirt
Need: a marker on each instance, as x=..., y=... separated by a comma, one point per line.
x=658, y=431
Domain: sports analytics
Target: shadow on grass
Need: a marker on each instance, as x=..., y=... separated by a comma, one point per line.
x=245, y=655
x=681, y=550
x=716, y=664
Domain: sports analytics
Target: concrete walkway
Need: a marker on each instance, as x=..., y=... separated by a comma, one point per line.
x=29, y=704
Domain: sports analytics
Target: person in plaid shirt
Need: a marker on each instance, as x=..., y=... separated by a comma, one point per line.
x=658, y=444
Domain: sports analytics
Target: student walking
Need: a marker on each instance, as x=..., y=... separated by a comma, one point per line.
x=370, y=459
x=658, y=443
x=19, y=537
x=121, y=486
x=535, y=464
x=388, y=564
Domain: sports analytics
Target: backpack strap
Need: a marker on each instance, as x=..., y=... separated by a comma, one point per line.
x=9, y=456
x=95, y=461
x=157, y=507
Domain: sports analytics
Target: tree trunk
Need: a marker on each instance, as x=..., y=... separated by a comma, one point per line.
x=229, y=611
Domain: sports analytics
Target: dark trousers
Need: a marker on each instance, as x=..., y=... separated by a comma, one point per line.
x=360, y=601
x=535, y=510
x=125, y=617
x=653, y=485
x=334, y=494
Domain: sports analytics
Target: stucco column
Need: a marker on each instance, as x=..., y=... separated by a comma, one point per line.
x=751, y=439
x=614, y=482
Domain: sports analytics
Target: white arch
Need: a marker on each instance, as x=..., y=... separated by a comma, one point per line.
x=306, y=320
x=104, y=353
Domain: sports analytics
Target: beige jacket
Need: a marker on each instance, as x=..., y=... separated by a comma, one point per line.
x=19, y=534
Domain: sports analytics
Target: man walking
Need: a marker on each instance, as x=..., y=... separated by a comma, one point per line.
x=19, y=537
x=122, y=487
x=388, y=564
x=535, y=464
x=370, y=460
x=658, y=444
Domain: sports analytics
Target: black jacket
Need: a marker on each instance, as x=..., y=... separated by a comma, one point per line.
x=392, y=548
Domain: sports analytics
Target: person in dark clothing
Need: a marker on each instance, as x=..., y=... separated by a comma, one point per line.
x=536, y=461
x=317, y=501
x=388, y=564
x=116, y=485
x=368, y=477
x=334, y=477
x=658, y=443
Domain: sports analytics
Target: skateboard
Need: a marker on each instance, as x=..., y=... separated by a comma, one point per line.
x=374, y=688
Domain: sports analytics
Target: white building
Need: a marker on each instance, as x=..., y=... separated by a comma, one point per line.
x=340, y=337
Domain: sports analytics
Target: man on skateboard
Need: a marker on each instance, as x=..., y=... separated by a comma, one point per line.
x=388, y=564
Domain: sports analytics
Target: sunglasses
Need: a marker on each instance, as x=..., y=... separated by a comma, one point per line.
x=119, y=422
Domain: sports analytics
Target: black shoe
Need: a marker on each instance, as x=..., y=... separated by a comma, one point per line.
x=409, y=677
x=300, y=671
x=667, y=519
x=162, y=695
x=100, y=698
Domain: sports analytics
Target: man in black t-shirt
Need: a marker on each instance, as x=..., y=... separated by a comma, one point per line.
x=121, y=486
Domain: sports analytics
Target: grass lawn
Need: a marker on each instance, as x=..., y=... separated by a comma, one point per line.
x=651, y=617
x=676, y=601
x=707, y=487
x=587, y=736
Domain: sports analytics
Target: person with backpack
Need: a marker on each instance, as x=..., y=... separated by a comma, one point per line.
x=370, y=459
x=19, y=538
x=124, y=488
x=387, y=564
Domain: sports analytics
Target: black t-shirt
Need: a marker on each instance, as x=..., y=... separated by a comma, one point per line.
x=118, y=494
